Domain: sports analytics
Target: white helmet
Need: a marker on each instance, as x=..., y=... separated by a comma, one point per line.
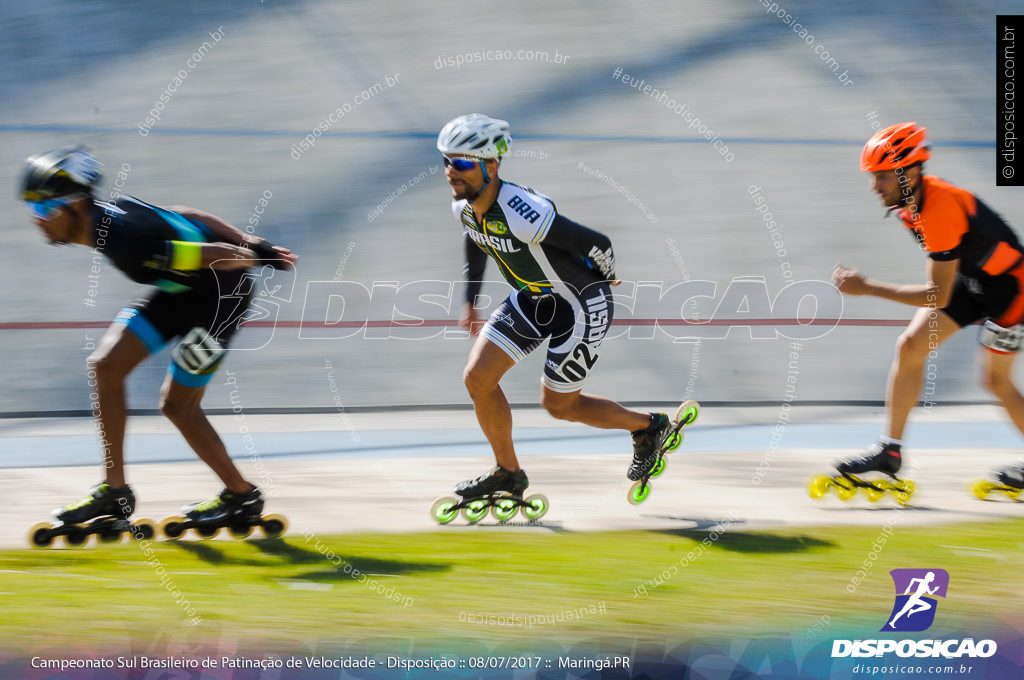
x=475, y=135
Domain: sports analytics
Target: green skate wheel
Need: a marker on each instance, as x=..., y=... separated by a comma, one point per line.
x=274, y=525
x=504, y=509
x=76, y=538
x=536, y=506
x=39, y=535
x=638, y=493
x=688, y=412
x=673, y=442
x=475, y=511
x=659, y=467
x=442, y=511
x=171, y=527
x=818, y=486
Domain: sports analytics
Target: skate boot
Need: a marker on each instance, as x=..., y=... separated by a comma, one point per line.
x=1009, y=481
x=239, y=512
x=650, y=445
x=1013, y=477
x=104, y=512
x=498, y=479
x=647, y=446
x=874, y=472
x=103, y=499
x=500, y=490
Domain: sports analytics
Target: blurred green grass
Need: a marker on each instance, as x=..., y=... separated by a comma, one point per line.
x=442, y=586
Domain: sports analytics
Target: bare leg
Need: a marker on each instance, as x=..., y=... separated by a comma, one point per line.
x=181, y=405
x=117, y=355
x=591, y=410
x=998, y=378
x=927, y=330
x=487, y=364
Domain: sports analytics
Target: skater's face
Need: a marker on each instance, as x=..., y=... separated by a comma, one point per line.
x=468, y=181
x=54, y=219
x=895, y=187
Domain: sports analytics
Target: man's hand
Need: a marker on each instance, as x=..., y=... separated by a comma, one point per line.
x=850, y=281
x=470, y=320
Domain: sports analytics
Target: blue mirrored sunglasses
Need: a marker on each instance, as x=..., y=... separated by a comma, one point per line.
x=46, y=209
x=460, y=164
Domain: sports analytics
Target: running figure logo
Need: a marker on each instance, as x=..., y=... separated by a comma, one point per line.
x=914, y=611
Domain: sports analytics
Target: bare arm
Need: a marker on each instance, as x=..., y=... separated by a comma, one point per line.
x=224, y=230
x=935, y=293
x=227, y=256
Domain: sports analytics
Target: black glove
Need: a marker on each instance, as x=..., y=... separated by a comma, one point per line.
x=264, y=250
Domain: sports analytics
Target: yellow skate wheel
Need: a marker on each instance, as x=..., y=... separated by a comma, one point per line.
x=442, y=511
x=874, y=495
x=76, y=538
x=39, y=535
x=688, y=412
x=109, y=536
x=274, y=525
x=845, y=489
x=904, y=490
x=206, y=531
x=817, y=487
x=171, y=526
x=981, y=488
x=143, y=529
x=1012, y=494
x=240, y=531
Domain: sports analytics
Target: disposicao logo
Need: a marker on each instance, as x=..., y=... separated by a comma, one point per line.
x=914, y=611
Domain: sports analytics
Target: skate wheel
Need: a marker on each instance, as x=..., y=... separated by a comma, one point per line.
x=474, y=511
x=109, y=536
x=442, y=511
x=659, y=467
x=1011, y=493
x=171, y=527
x=504, y=509
x=206, y=531
x=638, y=493
x=142, y=530
x=688, y=412
x=981, y=488
x=817, y=487
x=240, y=531
x=76, y=538
x=874, y=495
x=535, y=507
x=845, y=489
x=904, y=490
x=673, y=442
x=39, y=535
x=274, y=525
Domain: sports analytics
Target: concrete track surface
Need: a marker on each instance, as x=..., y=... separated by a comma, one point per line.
x=381, y=472
x=366, y=207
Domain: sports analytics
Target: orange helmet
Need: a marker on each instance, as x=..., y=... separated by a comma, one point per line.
x=896, y=146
